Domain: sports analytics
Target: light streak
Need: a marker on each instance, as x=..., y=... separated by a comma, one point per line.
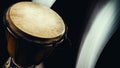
x=101, y=27
x=47, y=3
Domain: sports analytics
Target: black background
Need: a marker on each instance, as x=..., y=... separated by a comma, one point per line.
x=75, y=14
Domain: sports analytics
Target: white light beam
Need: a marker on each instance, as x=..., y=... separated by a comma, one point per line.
x=47, y=3
x=103, y=24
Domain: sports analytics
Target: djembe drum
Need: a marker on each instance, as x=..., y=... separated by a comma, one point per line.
x=32, y=31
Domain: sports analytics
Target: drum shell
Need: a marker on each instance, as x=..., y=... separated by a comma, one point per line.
x=26, y=53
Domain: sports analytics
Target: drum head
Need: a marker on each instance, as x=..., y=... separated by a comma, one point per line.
x=35, y=20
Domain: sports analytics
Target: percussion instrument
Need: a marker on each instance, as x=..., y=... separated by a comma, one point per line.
x=33, y=31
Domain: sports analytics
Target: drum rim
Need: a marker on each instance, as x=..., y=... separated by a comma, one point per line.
x=36, y=39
